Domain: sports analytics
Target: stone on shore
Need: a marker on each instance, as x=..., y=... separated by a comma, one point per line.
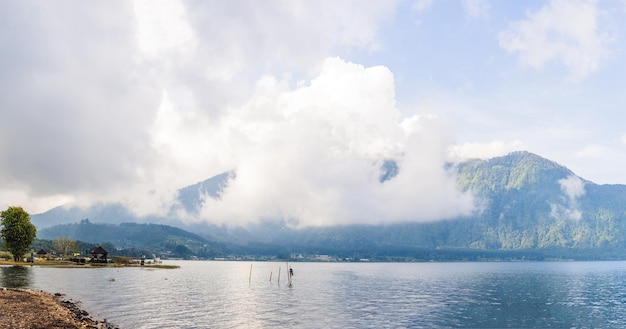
x=22, y=308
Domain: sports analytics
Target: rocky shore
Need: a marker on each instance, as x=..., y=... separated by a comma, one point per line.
x=30, y=309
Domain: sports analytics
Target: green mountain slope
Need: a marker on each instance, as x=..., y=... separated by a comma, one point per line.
x=151, y=237
x=524, y=203
x=522, y=171
x=531, y=202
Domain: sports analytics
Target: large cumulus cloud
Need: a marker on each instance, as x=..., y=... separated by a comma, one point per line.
x=72, y=100
x=130, y=101
x=313, y=154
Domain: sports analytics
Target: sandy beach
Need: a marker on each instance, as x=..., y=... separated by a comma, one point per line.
x=21, y=308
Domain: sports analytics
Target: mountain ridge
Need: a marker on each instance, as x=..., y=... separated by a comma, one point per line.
x=526, y=203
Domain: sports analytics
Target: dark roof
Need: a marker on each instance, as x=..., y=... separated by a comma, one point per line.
x=98, y=250
x=42, y=252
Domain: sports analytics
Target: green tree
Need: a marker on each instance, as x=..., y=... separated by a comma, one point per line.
x=17, y=231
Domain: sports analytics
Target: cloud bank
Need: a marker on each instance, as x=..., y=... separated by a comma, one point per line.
x=313, y=154
x=130, y=101
x=73, y=100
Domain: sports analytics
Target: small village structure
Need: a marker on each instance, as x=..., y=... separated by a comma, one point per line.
x=99, y=255
x=41, y=253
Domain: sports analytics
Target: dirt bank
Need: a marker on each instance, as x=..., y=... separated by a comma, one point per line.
x=29, y=309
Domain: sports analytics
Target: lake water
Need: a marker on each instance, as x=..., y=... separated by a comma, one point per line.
x=214, y=294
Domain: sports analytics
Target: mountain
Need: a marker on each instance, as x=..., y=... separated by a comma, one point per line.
x=532, y=202
x=526, y=205
x=191, y=197
x=152, y=237
x=104, y=213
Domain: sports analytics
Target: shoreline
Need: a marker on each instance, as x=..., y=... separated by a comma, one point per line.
x=35, y=309
x=66, y=264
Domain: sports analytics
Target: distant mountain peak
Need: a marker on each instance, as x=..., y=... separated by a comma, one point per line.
x=517, y=170
x=388, y=170
x=192, y=197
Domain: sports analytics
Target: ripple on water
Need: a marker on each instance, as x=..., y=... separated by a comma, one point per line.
x=416, y=295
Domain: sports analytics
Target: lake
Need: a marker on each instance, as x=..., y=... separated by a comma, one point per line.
x=221, y=294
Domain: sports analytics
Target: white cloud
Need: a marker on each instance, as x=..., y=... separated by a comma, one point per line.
x=476, y=8
x=573, y=187
x=163, y=26
x=72, y=91
x=563, y=31
x=562, y=212
x=492, y=149
x=82, y=86
x=21, y=197
x=313, y=154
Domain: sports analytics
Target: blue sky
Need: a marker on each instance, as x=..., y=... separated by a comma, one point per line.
x=130, y=101
x=456, y=63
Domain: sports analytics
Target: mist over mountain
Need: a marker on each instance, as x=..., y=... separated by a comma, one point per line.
x=190, y=200
x=531, y=202
x=524, y=202
x=192, y=197
x=125, y=235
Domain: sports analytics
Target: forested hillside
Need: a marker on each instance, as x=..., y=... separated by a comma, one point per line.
x=524, y=204
x=531, y=202
x=151, y=237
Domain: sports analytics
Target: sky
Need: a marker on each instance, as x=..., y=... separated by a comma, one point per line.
x=129, y=101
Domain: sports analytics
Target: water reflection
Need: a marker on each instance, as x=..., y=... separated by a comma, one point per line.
x=15, y=276
x=347, y=295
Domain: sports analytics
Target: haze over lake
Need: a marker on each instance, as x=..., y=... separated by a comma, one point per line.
x=207, y=294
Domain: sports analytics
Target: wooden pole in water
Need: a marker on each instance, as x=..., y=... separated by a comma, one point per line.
x=250, y=275
x=288, y=275
x=279, y=275
x=270, y=276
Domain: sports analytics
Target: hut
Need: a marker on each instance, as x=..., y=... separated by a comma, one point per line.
x=99, y=255
x=41, y=253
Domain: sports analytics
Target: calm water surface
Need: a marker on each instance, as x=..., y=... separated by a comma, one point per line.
x=344, y=295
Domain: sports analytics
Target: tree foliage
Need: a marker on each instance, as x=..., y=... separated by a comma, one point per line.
x=17, y=231
x=65, y=246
